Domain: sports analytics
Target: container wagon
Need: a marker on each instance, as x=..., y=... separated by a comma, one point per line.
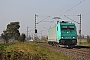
x=63, y=34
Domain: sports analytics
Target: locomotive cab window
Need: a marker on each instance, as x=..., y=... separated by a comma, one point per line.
x=71, y=27
x=67, y=27
x=63, y=27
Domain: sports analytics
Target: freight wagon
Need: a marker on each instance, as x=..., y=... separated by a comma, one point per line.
x=63, y=33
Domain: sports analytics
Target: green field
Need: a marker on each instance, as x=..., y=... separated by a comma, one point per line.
x=30, y=51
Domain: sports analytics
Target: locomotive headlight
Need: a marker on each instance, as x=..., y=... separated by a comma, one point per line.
x=73, y=37
x=67, y=32
x=62, y=37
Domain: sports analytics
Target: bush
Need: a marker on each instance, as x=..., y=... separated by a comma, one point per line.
x=88, y=39
x=22, y=37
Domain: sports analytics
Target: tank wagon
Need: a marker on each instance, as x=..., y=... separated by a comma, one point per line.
x=63, y=33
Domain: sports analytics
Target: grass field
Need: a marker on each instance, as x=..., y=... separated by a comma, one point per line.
x=85, y=44
x=30, y=51
x=2, y=46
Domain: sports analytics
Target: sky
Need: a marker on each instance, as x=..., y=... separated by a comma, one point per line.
x=24, y=12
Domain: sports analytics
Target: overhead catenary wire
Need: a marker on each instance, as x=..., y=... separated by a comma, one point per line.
x=71, y=19
x=73, y=7
x=76, y=15
x=86, y=14
x=43, y=19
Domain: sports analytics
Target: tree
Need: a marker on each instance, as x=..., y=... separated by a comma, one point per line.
x=12, y=31
x=5, y=36
x=22, y=37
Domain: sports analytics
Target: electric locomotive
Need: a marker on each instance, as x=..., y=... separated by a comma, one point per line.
x=63, y=33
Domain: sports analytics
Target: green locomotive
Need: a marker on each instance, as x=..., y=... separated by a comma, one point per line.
x=63, y=33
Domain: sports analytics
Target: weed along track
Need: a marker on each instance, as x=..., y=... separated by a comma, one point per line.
x=30, y=51
x=76, y=53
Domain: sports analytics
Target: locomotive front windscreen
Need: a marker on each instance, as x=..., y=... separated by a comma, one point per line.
x=67, y=27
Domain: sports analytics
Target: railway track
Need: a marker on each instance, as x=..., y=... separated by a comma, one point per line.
x=77, y=53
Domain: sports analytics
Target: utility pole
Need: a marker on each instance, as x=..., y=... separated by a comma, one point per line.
x=35, y=21
x=80, y=25
x=35, y=28
x=41, y=35
x=27, y=32
x=80, y=28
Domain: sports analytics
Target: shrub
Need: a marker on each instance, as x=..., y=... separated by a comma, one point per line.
x=22, y=37
x=88, y=39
